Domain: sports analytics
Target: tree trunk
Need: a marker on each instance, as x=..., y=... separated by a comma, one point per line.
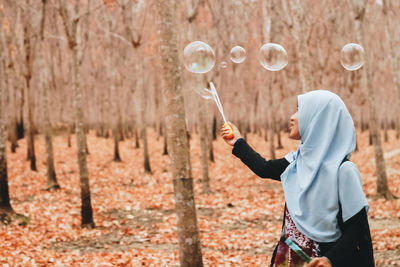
x=115, y=117
x=359, y=7
x=211, y=146
x=214, y=128
x=394, y=59
x=13, y=135
x=136, y=139
x=271, y=121
x=165, y=137
x=147, y=168
x=278, y=134
x=117, y=158
x=188, y=233
x=28, y=75
x=5, y=206
x=69, y=129
x=71, y=28
x=86, y=210
x=203, y=147
x=301, y=30
x=385, y=131
x=43, y=75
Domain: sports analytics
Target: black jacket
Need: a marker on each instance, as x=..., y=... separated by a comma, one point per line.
x=353, y=248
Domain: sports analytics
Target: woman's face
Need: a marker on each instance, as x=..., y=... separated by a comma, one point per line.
x=294, y=127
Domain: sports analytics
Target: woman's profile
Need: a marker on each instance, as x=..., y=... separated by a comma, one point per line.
x=325, y=207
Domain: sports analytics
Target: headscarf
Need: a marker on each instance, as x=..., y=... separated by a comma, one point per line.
x=316, y=180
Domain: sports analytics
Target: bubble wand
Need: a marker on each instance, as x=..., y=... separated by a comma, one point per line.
x=217, y=101
x=298, y=250
x=221, y=110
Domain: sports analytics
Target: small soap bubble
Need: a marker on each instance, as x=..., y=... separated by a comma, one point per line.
x=238, y=54
x=198, y=57
x=273, y=57
x=223, y=65
x=352, y=56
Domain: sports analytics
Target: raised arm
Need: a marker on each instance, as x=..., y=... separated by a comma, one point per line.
x=263, y=168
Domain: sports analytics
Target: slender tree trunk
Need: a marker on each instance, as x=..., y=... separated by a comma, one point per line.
x=385, y=131
x=359, y=7
x=211, y=146
x=117, y=158
x=86, y=211
x=278, y=134
x=301, y=31
x=43, y=75
x=28, y=75
x=5, y=206
x=214, y=128
x=115, y=117
x=13, y=135
x=178, y=144
x=143, y=124
x=31, y=135
x=69, y=129
x=203, y=147
x=20, y=125
x=136, y=139
x=71, y=25
x=271, y=121
x=147, y=168
x=394, y=59
x=165, y=137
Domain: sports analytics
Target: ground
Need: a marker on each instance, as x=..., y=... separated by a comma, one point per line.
x=239, y=222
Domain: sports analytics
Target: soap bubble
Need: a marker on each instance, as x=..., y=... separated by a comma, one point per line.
x=352, y=56
x=198, y=57
x=223, y=65
x=204, y=93
x=273, y=57
x=238, y=54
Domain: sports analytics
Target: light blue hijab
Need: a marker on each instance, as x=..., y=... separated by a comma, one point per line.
x=315, y=181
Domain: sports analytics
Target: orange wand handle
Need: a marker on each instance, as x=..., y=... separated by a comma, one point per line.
x=230, y=129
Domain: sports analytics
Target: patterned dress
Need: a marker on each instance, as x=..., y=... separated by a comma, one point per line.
x=285, y=257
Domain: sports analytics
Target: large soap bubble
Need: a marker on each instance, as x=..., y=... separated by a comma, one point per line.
x=273, y=57
x=352, y=56
x=198, y=57
x=238, y=54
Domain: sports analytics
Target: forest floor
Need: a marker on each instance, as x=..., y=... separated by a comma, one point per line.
x=239, y=223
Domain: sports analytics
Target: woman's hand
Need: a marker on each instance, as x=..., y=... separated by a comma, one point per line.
x=319, y=262
x=226, y=132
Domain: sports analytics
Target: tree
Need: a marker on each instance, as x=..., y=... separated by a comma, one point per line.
x=5, y=206
x=395, y=56
x=43, y=76
x=300, y=25
x=359, y=10
x=134, y=31
x=30, y=42
x=178, y=145
x=71, y=26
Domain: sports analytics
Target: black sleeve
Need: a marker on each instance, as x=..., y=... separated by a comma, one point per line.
x=354, y=230
x=265, y=169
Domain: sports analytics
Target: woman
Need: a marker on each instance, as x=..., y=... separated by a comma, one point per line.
x=326, y=209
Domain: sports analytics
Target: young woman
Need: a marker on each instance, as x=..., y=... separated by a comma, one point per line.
x=326, y=209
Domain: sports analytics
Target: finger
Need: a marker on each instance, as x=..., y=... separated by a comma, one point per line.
x=313, y=263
